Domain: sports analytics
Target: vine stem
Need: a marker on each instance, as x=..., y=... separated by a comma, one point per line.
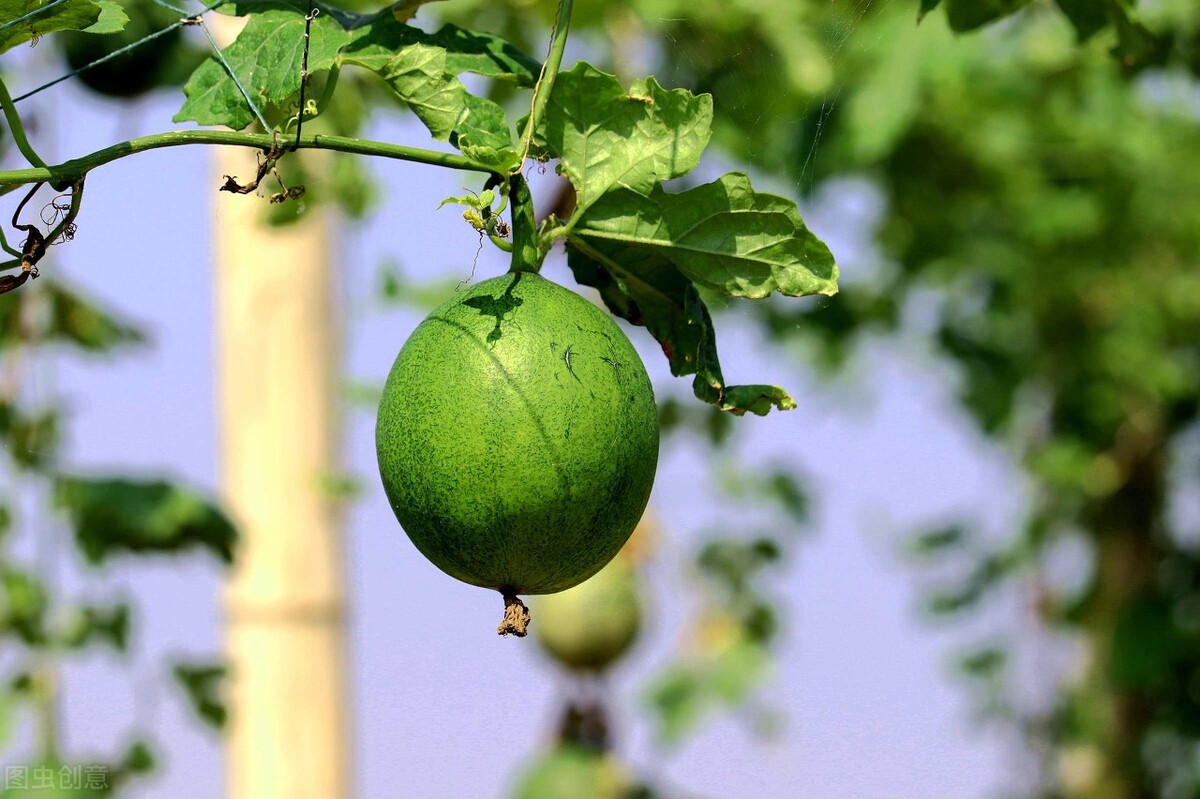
x=59, y=175
x=18, y=130
x=527, y=250
x=545, y=82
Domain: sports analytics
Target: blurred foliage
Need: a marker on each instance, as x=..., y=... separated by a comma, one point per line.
x=1042, y=219
x=201, y=683
x=41, y=623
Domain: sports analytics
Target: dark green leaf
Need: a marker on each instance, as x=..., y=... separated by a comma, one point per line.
x=31, y=437
x=983, y=663
x=1137, y=46
x=937, y=541
x=926, y=7
x=967, y=15
x=609, y=138
x=644, y=252
x=73, y=15
x=202, y=685
x=658, y=297
x=722, y=235
x=118, y=515
x=1088, y=17
x=735, y=563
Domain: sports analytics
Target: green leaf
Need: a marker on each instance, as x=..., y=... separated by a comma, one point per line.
x=113, y=515
x=644, y=252
x=678, y=700
x=73, y=15
x=608, y=138
x=1088, y=17
x=23, y=605
x=94, y=623
x=967, y=15
x=1137, y=46
x=113, y=18
x=418, y=76
x=658, y=297
x=378, y=40
x=926, y=7
x=201, y=683
x=30, y=437
x=266, y=57
x=722, y=235
x=422, y=73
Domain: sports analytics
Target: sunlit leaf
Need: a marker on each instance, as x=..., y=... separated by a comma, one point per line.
x=609, y=138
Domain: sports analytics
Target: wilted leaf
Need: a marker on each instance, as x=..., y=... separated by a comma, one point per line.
x=116, y=515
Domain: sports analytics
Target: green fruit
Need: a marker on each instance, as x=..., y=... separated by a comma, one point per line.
x=590, y=626
x=518, y=436
x=573, y=772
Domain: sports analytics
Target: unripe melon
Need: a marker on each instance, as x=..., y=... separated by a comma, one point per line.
x=517, y=436
x=573, y=772
x=592, y=625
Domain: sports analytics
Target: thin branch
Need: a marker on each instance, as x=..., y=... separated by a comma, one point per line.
x=69, y=171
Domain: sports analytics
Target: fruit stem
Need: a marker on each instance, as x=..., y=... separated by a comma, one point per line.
x=527, y=254
x=516, y=617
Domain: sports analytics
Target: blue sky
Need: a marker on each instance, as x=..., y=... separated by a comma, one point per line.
x=863, y=682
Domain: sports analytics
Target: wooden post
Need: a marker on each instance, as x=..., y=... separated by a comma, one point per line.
x=285, y=606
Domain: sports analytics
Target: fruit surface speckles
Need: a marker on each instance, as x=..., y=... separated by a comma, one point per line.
x=517, y=436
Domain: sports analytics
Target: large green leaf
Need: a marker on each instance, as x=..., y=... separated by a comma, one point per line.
x=645, y=252
x=72, y=15
x=723, y=235
x=267, y=58
x=112, y=515
x=608, y=138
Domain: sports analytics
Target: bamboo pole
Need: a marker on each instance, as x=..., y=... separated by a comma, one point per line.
x=284, y=602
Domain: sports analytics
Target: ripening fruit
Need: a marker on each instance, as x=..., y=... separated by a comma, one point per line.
x=574, y=772
x=518, y=437
x=592, y=625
